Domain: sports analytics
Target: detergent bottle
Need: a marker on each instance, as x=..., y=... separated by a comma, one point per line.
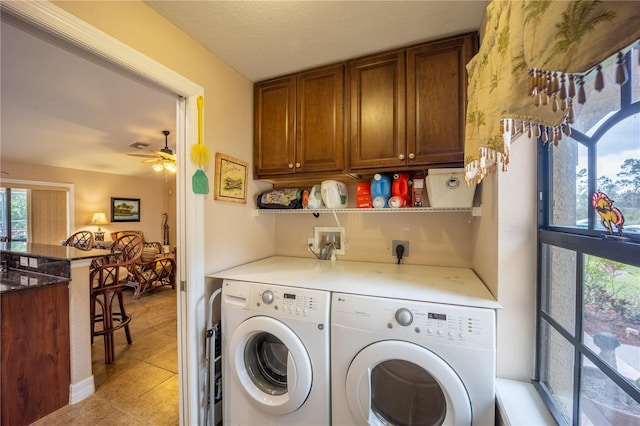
x=380, y=191
x=315, y=198
x=400, y=189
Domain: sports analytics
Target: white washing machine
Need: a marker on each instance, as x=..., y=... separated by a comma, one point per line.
x=276, y=356
x=397, y=362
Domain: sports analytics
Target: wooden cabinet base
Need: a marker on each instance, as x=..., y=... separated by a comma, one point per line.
x=34, y=348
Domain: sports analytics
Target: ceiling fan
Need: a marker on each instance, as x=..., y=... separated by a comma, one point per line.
x=164, y=159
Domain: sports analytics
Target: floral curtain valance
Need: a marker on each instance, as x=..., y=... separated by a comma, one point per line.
x=531, y=66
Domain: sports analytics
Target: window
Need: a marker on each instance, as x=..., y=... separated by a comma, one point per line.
x=588, y=349
x=13, y=214
x=35, y=213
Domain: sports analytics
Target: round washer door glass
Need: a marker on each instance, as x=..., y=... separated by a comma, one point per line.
x=403, y=384
x=265, y=357
x=271, y=365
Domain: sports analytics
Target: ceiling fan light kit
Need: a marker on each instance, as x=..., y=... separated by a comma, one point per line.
x=162, y=160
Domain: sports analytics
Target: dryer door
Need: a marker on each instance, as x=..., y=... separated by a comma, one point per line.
x=401, y=383
x=271, y=365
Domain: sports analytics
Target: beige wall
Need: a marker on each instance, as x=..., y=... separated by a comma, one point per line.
x=232, y=234
x=93, y=192
x=442, y=239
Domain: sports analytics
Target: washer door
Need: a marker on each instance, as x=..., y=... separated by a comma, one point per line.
x=271, y=365
x=400, y=383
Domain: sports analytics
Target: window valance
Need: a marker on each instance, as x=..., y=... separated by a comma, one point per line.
x=535, y=57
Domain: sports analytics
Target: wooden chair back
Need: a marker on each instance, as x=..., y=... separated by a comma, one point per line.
x=82, y=240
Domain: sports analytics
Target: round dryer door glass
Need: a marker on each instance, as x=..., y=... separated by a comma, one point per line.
x=403, y=394
x=265, y=357
x=400, y=383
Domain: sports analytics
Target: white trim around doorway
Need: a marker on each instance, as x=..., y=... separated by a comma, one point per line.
x=68, y=27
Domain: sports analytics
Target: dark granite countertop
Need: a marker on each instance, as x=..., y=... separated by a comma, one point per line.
x=16, y=280
x=51, y=251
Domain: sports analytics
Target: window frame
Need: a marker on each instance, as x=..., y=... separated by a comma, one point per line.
x=582, y=242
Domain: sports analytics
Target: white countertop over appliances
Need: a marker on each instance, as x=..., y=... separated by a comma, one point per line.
x=448, y=285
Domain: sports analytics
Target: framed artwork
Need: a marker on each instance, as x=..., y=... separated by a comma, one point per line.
x=230, y=183
x=125, y=209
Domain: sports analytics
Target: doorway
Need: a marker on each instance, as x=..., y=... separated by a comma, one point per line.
x=54, y=20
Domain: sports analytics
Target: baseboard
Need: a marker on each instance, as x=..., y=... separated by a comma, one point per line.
x=81, y=390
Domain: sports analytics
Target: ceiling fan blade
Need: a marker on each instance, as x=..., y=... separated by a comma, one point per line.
x=165, y=155
x=152, y=160
x=135, y=154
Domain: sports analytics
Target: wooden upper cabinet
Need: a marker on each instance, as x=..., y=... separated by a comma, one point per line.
x=377, y=111
x=405, y=109
x=408, y=107
x=274, y=126
x=320, y=137
x=436, y=100
x=299, y=123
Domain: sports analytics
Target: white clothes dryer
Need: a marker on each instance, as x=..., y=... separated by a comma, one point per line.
x=400, y=362
x=276, y=356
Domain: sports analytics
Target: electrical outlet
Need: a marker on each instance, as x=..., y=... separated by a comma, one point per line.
x=311, y=242
x=396, y=243
x=24, y=261
x=33, y=262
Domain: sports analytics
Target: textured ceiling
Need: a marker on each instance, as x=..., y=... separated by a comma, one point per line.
x=263, y=39
x=63, y=108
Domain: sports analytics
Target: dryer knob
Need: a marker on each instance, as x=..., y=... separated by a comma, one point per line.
x=267, y=297
x=404, y=317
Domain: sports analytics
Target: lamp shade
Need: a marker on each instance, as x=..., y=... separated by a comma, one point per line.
x=99, y=219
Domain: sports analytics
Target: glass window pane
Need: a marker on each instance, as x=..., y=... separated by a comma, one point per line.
x=19, y=215
x=4, y=231
x=599, y=105
x=560, y=301
x=556, y=369
x=567, y=185
x=602, y=402
x=612, y=313
x=635, y=73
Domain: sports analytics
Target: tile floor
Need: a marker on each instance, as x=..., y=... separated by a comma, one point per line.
x=141, y=387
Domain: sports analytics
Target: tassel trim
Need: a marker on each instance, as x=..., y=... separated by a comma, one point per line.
x=558, y=90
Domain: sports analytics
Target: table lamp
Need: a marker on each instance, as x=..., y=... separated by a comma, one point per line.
x=99, y=219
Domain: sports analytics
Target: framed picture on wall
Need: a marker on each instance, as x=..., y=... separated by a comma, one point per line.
x=125, y=209
x=230, y=179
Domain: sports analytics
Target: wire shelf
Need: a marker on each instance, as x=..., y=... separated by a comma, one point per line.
x=475, y=211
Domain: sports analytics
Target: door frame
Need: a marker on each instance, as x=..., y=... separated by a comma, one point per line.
x=56, y=21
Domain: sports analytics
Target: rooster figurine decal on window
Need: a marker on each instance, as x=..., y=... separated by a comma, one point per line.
x=609, y=216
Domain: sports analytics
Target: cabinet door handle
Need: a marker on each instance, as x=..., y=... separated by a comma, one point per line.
x=401, y=157
x=291, y=165
x=412, y=156
x=297, y=165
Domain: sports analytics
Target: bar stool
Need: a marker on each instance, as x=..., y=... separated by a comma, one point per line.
x=108, y=276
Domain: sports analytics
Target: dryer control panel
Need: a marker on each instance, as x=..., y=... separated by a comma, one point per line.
x=421, y=322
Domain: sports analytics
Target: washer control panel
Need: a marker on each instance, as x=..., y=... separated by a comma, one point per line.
x=421, y=322
x=292, y=302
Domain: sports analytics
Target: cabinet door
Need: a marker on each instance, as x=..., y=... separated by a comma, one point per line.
x=436, y=100
x=377, y=121
x=320, y=136
x=274, y=126
x=35, y=354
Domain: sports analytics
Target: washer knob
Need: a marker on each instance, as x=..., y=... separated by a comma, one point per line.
x=267, y=297
x=404, y=317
